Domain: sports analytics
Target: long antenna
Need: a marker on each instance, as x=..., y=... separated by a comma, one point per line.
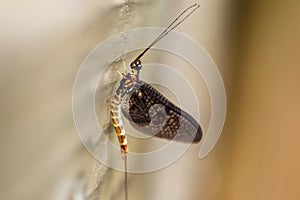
x=168, y=29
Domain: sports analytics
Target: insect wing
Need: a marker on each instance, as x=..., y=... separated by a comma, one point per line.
x=152, y=113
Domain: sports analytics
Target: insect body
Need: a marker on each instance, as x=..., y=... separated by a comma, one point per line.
x=147, y=109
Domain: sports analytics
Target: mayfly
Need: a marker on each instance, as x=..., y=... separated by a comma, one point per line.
x=146, y=108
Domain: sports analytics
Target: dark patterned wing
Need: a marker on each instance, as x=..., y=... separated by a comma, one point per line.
x=151, y=113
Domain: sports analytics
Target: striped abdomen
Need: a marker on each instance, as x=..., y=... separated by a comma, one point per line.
x=115, y=112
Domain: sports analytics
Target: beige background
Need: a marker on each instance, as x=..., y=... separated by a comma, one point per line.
x=256, y=47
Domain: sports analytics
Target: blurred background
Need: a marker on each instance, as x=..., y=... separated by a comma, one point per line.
x=254, y=43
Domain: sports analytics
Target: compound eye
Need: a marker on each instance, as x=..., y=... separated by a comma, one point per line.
x=138, y=67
